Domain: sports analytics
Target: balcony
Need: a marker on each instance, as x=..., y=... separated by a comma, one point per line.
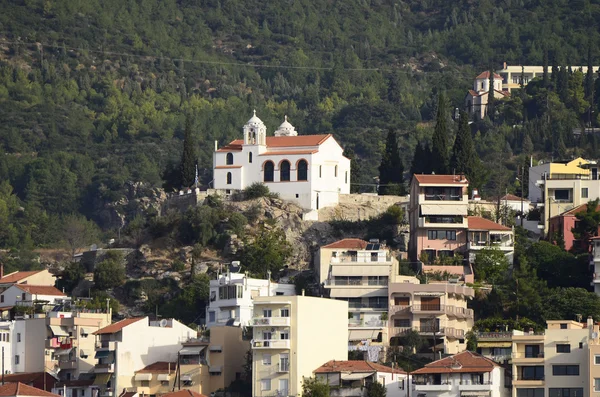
x=441, y=222
x=106, y=393
x=501, y=245
x=454, y=333
x=432, y=387
x=271, y=321
x=104, y=368
x=367, y=324
x=459, y=312
x=271, y=344
x=528, y=382
x=494, y=336
x=71, y=364
x=361, y=259
x=467, y=386
x=395, y=309
x=524, y=358
x=431, y=308
x=106, y=345
x=428, y=331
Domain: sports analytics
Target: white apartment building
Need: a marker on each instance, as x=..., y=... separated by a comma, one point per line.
x=463, y=374
x=28, y=295
x=358, y=272
x=232, y=296
x=6, y=345
x=293, y=335
x=129, y=345
x=309, y=170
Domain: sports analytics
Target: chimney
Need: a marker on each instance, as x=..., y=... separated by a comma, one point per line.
x=302, y=291
x=216, y=145
x=1, y=270
x=590, y=322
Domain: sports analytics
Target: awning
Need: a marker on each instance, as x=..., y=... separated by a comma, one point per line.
x=449, y=209
x=429, y=294
x=163, y=377
x=191, y=350
x=86, y=331
x=58, y=330
x=356, y=376
x=83, y=353
x=362, y=334
x=102, y=379
x=62, y=352
x=186, y=378
x=215, y=348
x=102, y=354
x=214, y=368
x=494, y=344
x=139, y=377
x=476, y=393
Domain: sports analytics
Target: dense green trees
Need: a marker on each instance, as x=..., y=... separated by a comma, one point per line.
x=464, y=157
x=391, y=169
x=439, y=151
x=311, y=387
x=188, y=158
x=110, y=272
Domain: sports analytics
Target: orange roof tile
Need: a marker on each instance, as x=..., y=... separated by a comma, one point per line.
x=512, y=197
x=17, y=276
x=281, y=141
x=432, y=179
x=479, y=223
x=21, y=389
x=348, y=243
x=232, y=146
x=25, y=377
x=356, y=366
x=183, y=393
x=40, y=289
x=465, y=362
x=159, y=367
x=486, y=75
x=116, y=327
x=288, y=152
x=576, y=210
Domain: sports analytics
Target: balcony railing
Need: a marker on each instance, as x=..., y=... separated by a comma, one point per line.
x=494, y=335
x=394, y=309
x=360, y=305
x=428, y=308
x=70, y=364
x=527, y=355
x=104, y=368
x=492, y=244
x=106, y=345
x=366, y=324
x=271, y=344
x=271, y=321
x=360, y=259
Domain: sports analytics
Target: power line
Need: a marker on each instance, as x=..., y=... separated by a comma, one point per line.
x=205, y=62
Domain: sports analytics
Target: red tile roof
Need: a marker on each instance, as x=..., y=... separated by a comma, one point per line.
x=512, y=197
x=576, y=210
x=465, y=362
x=183, y=393
x=40, y=289
x=486, y=75
x=432, y=179
x=17, y=276
x=20, y=389
x=356, y=366
x=281, y=141
x=25, y=377
x=348, y=243
x=116, y=327
x=159, y=367
x=479, y=223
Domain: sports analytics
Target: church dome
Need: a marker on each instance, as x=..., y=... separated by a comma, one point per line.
x=255, y=120
x=286, y=129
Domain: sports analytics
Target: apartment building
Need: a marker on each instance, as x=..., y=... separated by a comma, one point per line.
x=132, y=344
x=563, y=224
x=351, y=378
x=358, y=272
x=593, y=359
x=551, y=363
x=562, y=186
x=204, y=365
x=437, y=311
x=6, y=343
x=293, y=335
x=463, y=374
x=232, y=295
x=511, y=74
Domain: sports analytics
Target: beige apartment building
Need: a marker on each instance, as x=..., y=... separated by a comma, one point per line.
x=437, y=311
x=358, y=272
x=204, y=365
x=293, y=335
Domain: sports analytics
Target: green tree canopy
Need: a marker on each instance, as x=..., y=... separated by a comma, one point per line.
x=110, y=273
x=269, y=251
x=464, y=157
x=311, y=387
x=439, y=152
x=391, y=169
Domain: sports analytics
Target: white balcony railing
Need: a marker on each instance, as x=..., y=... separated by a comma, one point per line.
x=271, y=344
x=271, y=321
x=438, y=388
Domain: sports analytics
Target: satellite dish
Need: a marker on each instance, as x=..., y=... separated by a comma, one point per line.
x=163, y=322
x=594, y=335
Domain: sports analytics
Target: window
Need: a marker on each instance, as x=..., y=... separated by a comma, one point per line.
x=563, y=348
x=532, y=373
x=530, y=392
x=597, y=359
x=561, y=195
x=18, y=337
x=285, y=335
x=378, y=302
x=229, y=159
x=441, y=234
x=2, y=298
x=565, y=370
x=532, y=351
x=566, y=392
x=269, y=171
x=346, y=177
x=17, y=359
x=284, y=171
x=285, y=312
x=402, y=322
x=23, y=296
x=267, y=313
x=267, y=336
x=443, y=193
x=164, y=383
x=335, y=171
x=320, y=171
x=597, y=384
x=229, y=178
x=145, y=383
x=266, y=359
x=250, y=157
x=265, y=384
x=563, y=326
x=401, y=300
x=211, y=317
x=584, y=192
x=302, y=170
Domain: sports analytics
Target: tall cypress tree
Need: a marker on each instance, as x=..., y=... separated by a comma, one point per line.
x=491, y=102
x=545, y=67
x=464, y=156
x=439, y=151
x=555, y=70
x=589, y=84
x=391, y=169
x=188, y=158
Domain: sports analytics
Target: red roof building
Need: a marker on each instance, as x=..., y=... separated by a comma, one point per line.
x=118, y=326
x=563, y=224
x=353, y=375
x=20, y=389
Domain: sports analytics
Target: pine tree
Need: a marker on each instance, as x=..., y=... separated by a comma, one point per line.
x=439, y=151
x=188, y=158
x=527, y=145
x=589, y=84
x=545, y=66
x=555, y=70
x=563, y=84
x=391, y=169
x=421, y=163
x=491, y=104
x=464, y=156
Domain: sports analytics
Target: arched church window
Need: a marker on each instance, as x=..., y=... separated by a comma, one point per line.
x=229, y=178
x=229, y=160
x=302, y=170
x=269, y=170
x=284, y=171
x=250, y=157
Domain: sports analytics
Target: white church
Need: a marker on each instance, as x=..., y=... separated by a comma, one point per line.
x=309, y=170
